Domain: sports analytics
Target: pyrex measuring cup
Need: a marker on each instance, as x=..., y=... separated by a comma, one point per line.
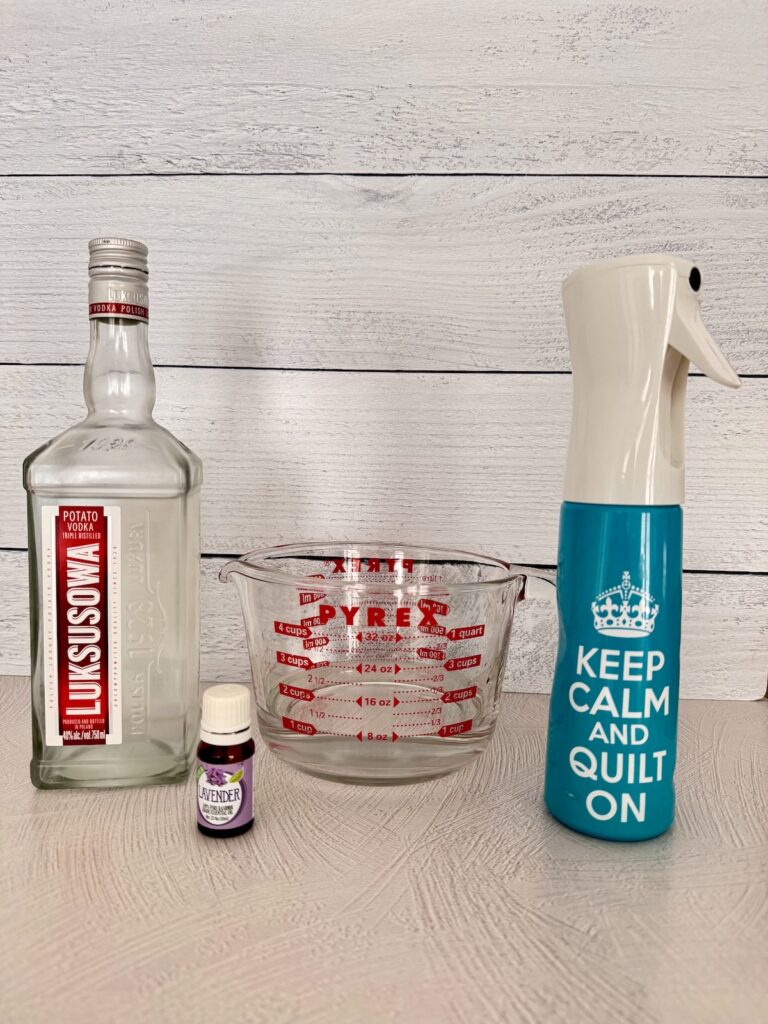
x=376, y=662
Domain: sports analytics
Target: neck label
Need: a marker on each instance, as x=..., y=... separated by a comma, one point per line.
x=109, y=296
x=126, y=310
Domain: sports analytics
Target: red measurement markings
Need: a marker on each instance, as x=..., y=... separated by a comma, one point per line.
x=383, y=670
x=466, y=632
x=306, y=728
x=309, y=596
x=298, y=661
x=455, y=728
x=430, y=723
x=380, y=737
x=431, y=630
x=454, y=696
x=316, y=641
x=433, y=705
x=430, y=653
x=377, y=702
x=429, y=624
x=289, y=629
x=456, y=664
x=312, y=621
x=382, y=638
x=435, y=699
x=297, y=692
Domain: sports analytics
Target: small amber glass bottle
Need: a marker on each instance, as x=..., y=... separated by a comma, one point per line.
x=224, y=772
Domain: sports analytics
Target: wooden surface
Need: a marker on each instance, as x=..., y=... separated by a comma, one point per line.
x=446, y=273
x=454, y=901
x=591, y=86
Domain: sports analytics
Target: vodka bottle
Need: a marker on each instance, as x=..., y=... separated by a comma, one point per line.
x=113, y=517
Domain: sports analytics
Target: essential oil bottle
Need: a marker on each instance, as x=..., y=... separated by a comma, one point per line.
x=224, y=773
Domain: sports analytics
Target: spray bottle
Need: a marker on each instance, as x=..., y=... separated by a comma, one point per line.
x=634, y=326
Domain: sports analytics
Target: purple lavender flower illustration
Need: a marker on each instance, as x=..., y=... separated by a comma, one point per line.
x=216, y=776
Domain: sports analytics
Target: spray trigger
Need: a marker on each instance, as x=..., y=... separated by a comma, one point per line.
x=691, y=338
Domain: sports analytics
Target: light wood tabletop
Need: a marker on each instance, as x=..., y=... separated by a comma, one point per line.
x=458, y=900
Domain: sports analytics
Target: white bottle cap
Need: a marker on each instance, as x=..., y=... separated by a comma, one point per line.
x=226, y=714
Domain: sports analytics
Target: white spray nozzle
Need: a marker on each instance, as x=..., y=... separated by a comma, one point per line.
x=634, y=325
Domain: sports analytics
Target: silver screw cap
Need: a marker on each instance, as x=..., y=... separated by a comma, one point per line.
x=118, y=253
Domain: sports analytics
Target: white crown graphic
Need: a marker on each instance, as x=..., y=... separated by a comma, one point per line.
x=625, y=610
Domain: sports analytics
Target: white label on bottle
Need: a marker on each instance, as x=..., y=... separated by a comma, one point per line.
x=80, y=553
x=115, y=297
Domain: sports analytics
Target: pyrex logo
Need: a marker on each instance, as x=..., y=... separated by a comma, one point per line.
x=354, y=566
x=376, y=615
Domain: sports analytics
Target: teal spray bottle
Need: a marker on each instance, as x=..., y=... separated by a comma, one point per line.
x=633, y=326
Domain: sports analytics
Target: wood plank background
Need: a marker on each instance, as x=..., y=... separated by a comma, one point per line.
x=561, y=86
x=473, y=459
x=359, y=217
x=399, y=272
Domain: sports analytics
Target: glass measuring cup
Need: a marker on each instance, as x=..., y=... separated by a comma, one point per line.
x=376, y=662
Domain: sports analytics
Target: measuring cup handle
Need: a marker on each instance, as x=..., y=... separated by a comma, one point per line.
x=533, y=643
x=537, y=583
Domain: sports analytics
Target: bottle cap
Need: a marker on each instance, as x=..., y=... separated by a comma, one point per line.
x=117, y=254
x=226, y=714
x=117, y=279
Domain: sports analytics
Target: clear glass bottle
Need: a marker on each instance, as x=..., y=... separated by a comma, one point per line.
x=114, y=527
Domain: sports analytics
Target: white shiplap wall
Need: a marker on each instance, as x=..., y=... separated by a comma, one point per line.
x=336, y=194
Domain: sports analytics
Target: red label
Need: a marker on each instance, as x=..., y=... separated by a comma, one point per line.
x=430, y=653
x=297, y=692
x=435, y=630
x=315, y=620
x=426, y=604
x=295, y=660
x=82, y=624
x=456, y=728
x=454, y=696
x=303, y=727
x=126, y=309
x=456, y=664
x=289, y=629
x=466, y=632
x=316, y=641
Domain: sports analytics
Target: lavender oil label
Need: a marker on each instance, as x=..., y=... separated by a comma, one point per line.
x=224, y=794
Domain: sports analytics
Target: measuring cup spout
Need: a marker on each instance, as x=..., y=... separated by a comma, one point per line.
x=226, y=571
x=237, y=567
